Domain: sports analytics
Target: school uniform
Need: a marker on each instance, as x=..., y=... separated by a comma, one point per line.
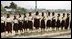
x=15, y=26
x=8, y=24
x=53, y=22
x=43, y=23
x=30, y=26
x=67, y=23
x=3, y=24
x=62, y=23
x=58, y=23
x=37, y=22
x=49, y=22
x=20, y=23
x=25, y=23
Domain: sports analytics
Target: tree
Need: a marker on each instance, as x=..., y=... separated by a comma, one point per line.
x=13, y=5
x=14, y=8
x=6, y=7
x=21, y=10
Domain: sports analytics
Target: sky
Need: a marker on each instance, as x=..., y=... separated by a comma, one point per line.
x=40, y=4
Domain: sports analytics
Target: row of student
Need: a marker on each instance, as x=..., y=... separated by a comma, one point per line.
x=27, y=23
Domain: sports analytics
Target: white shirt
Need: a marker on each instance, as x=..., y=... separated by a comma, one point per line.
x=49, y=18
x=64, y=18
x=59, y=19
x=26, y=18
x=20, y=19
x=9, y=19
x=3, y=19
x=15, y=21
x=37, y=17
x=30, y=18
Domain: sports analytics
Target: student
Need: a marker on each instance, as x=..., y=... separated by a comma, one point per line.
x=37, y=20
x=53, y=21
x=2, y=23
x=58, y=22
x=43, y=21
x=8, y=24
x=63, y=21
x=20, y=23
x=15, y=26
x=67, y=22
x=48, y=24
x=25, y=23
x=30, y=24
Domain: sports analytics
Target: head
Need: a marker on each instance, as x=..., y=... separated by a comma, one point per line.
x=58, y=15
x=14, y=17
x=68, y=14
x=48, y=13
x=8, y=15
x=42, y=13
x=37, y=13
x=63, y=14
x=53, y=13
x=29, y=13
x=19, y=15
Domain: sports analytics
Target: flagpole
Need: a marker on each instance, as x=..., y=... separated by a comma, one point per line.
x=35, y=5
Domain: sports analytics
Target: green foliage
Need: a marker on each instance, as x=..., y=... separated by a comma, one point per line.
x=17, y=9
x=21, y=10
x=13, y=5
